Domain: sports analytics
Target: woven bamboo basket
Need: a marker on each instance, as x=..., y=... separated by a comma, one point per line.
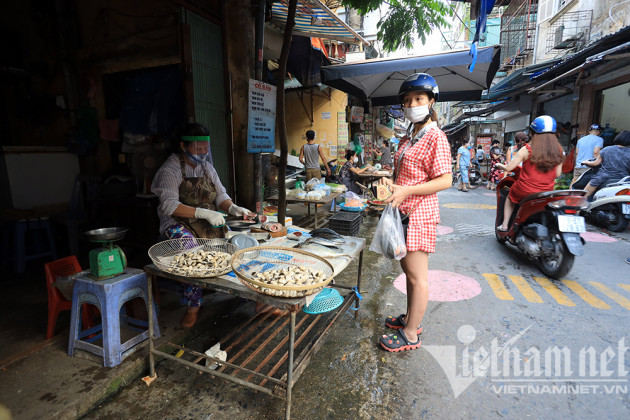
x=246, y=263
x=163, y=254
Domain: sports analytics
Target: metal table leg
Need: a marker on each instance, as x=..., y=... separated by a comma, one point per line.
x=357, y=302
x=290, y=365
x=150, y=312
x=315, y=216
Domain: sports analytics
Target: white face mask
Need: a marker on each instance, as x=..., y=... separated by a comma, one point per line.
x=417, y=113
x=355, y=159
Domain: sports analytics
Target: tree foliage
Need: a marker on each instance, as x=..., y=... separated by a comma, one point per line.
x=404, y=19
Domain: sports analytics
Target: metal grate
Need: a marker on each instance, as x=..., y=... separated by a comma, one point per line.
x=518, y=33
x=570, y=32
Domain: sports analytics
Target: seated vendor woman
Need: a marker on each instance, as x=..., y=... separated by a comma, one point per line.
x=190, y=194
x=349, y=170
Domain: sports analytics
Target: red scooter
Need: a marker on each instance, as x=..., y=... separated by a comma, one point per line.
x=544, y=226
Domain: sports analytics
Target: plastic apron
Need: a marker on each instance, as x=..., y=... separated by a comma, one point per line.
x=199, y=192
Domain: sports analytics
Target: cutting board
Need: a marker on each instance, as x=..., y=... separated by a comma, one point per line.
x=281, y=232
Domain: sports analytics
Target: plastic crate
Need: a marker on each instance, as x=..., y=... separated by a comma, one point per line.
x=345, y=223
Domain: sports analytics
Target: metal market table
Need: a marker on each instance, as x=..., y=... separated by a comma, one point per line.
x=266, y=353
x=369, y=178
x=324, y=200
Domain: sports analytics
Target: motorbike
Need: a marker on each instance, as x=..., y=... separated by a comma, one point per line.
x=474, y=175
x=610, y=207
x=545, y=226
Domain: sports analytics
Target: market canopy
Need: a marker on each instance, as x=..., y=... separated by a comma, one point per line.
x=315, y=19
x=380, y=79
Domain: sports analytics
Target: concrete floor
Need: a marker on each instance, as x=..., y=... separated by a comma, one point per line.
x=351, y=377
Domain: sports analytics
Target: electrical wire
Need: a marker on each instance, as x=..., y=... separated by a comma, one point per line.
x=460, y=19
x=443, y=37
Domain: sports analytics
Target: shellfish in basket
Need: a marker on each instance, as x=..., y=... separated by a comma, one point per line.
x=200, y=263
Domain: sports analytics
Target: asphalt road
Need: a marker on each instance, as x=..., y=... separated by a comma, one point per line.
x=500, y=340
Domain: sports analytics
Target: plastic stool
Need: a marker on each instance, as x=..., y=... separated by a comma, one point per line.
x=43, y=241
x=109, y=296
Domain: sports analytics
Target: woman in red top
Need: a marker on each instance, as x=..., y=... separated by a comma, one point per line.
x=422, y=168
x=542, y=164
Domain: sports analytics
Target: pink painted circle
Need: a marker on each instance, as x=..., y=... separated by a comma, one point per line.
x=596, y=237
x=490, y=194
x=443, y=230
x=445, y=286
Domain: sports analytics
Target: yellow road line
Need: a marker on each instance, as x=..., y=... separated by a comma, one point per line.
x=626, y=287
x=587, y=296
x=525, y=289
x=622, y=300
x=497, y=286
x=554, y=291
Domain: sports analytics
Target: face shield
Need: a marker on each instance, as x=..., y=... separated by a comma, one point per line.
x=197, y=148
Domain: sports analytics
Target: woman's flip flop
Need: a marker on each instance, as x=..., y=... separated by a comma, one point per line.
x=396, y=323
x=398, y=342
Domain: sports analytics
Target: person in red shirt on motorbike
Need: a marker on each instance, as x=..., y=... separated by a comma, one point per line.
x=542, y=163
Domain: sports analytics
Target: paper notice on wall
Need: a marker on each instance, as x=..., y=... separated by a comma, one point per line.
x=356, y=114
x=261, y=122
x=326, y=115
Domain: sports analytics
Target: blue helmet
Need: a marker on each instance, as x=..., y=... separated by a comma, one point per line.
x=543, y=124
x=419, y=82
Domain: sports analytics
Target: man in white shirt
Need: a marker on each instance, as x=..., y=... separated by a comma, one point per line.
x=587, y=148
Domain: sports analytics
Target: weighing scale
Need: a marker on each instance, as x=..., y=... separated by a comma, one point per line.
x=109, y=260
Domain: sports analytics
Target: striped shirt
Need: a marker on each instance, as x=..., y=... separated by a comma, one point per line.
x=166, y=186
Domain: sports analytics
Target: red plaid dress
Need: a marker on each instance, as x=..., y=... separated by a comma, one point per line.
x=427, y=159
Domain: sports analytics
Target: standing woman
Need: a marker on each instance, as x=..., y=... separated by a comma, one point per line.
x=462, y=165
x=349, y=170
x=496, y=174
x=422, y=168
x=190, y=194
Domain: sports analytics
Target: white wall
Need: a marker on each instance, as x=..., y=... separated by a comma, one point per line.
x=602, y=24
x=41, y=178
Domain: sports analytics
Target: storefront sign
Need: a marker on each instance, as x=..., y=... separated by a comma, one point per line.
x=485, y=143
x=261, y=122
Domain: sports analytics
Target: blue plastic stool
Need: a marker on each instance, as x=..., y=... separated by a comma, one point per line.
x=43, y=241
x=109, y=296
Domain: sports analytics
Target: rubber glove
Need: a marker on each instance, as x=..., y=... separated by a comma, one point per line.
x=238, y=211
x=215, y=218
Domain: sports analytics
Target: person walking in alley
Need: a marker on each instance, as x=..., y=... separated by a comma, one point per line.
x=310, y=154
x=422, y=167
x=587, y=148
x=462, y=165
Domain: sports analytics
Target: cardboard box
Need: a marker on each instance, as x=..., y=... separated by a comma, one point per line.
x=288, y=221
x=382, y=192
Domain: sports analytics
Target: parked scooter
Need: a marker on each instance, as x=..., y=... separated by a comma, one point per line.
x=610, y=207
x=544, y=226
x=474, y=176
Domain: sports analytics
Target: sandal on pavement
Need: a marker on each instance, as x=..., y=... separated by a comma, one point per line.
x=398, y=342
x=396, y=323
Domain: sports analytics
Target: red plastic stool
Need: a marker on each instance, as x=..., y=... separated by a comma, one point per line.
x=56, y=302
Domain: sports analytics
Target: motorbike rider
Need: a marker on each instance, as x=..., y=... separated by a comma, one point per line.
x=615, y=161
x=588, y=147
x=542, y=163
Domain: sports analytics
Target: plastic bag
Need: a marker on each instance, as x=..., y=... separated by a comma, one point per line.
x=353, y=200
x=310, y=185
x=389, y=238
